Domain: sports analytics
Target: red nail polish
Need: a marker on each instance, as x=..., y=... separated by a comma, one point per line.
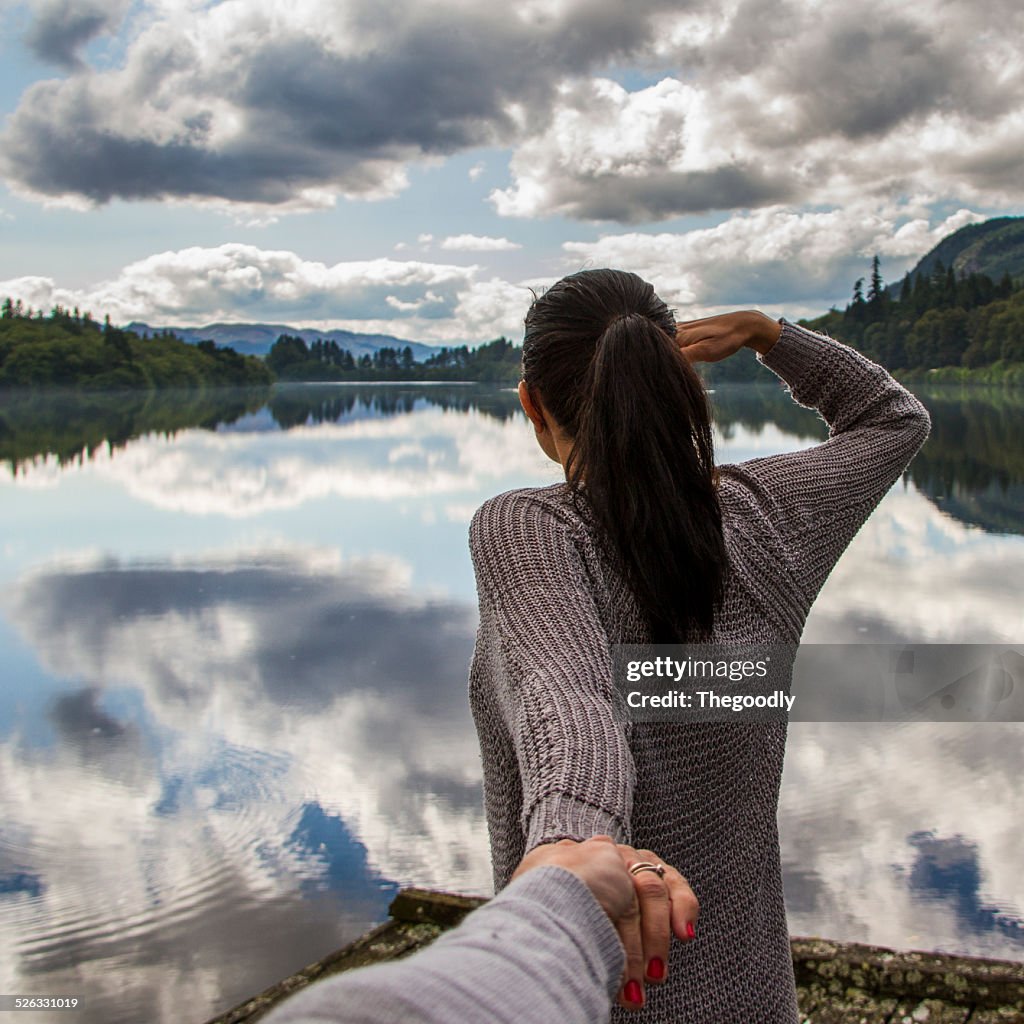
x=690, y=931
x=632, y=993
x=656, y=969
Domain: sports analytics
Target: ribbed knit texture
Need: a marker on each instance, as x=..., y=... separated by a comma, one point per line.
x=703, y=796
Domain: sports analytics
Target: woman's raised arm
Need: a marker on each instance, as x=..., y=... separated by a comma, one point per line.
x=817, y=499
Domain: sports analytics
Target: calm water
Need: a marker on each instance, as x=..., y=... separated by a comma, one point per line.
x=233, y=720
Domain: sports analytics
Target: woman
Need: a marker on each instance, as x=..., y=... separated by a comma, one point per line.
x=649, y=541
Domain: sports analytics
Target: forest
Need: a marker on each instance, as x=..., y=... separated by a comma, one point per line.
x=291, y=358
x=942, y=325
x=70, y=349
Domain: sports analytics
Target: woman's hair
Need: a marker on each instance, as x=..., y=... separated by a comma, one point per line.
x=600, y=352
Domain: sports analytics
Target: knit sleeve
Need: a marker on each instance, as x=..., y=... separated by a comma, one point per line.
x=551, y=673
x=542, y=950
x=818, y=499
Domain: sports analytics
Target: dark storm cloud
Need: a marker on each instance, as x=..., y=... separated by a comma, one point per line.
x=848, y=72
x=60, y=28
x=422, y=83
x=237, y=107
x=865, y=79
x=663, y=194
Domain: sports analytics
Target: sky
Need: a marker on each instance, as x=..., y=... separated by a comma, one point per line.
x=415, y=167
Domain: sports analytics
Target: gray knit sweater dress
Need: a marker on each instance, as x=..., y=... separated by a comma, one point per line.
x=556, y=761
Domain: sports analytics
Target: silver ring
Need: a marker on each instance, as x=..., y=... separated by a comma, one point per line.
x=646, y=865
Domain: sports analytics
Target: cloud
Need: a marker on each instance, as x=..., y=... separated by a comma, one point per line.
x=60, y=28
x=790, y=102
x=254, y=107
x=232, y=280
x=478, y=243
x=410, y=299
x=796, y=262
x=610, y=154
x=776, y=257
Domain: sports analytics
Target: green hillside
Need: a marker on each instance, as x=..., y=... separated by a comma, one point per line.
x=69, y=349
x=993, y=248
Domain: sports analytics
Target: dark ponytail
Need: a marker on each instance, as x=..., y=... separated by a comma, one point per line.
x=600, y=350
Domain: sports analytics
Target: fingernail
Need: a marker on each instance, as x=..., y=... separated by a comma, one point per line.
x=690, y=930
x=656, y=969
x=632, y=993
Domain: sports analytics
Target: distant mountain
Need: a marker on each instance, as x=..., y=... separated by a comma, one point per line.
x=991, y=248
x=256, y=339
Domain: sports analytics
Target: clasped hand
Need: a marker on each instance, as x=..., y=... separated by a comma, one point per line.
x=646, y=907
x=717, y=337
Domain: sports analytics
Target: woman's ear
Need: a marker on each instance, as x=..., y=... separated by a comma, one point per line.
x=543, y=424
x=531, y=408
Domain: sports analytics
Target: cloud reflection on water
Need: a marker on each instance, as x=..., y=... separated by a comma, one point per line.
x=292, y=715
x=228, y=712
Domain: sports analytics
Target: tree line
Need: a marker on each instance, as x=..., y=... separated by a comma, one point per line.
x=290, y=358
x=959, y=322
x=70, y=349
x=942, y=319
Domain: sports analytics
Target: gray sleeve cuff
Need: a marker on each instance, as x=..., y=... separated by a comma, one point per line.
x=562, y=816
x=795, y=354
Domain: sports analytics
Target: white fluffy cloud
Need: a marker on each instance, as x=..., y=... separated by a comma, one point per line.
x=776, y=257
x=233, y=282
x=478, y=243
x=802, y=102
x=610, y=154
x=779, y=258
x=197, y=284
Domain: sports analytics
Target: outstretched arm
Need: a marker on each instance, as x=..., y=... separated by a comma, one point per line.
x=542, y=950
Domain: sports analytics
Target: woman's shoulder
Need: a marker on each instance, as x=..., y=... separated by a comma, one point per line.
x=506, y=514
x=554, y=500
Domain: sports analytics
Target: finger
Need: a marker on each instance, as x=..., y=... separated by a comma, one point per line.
x=685, y=908
x=631, y=995
x=701, y=352
x=690, y=334
x=655, y=917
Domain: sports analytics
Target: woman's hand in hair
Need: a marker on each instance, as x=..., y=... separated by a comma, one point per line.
x=717, y=337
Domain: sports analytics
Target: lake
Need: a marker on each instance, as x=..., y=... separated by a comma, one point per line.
x=233, y=719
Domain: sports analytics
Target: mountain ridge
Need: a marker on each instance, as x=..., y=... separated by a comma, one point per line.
x=257, y=338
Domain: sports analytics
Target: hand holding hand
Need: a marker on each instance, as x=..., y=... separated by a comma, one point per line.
x=646, y=907
x=717, y=337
